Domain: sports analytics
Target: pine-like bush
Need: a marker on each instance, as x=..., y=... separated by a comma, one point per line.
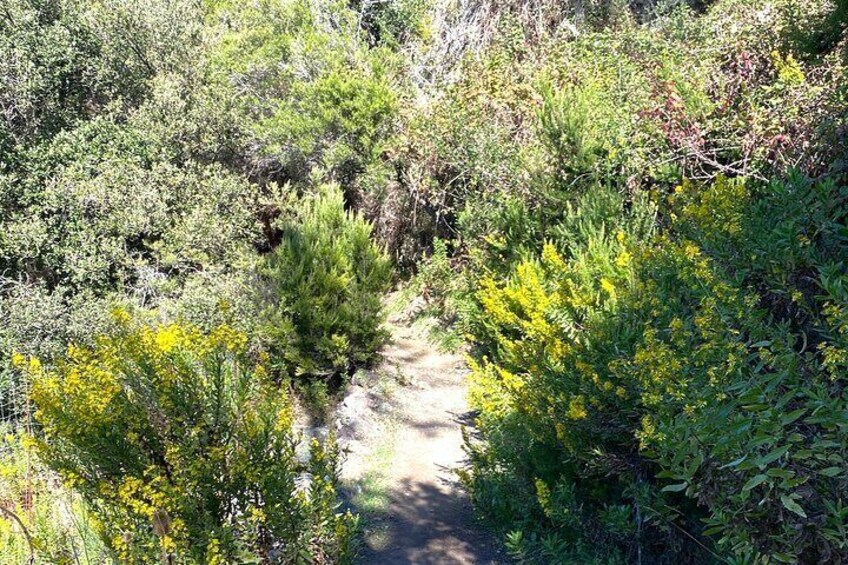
x=323, y=289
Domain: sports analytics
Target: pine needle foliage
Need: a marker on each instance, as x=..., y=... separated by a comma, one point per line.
x=323, y=288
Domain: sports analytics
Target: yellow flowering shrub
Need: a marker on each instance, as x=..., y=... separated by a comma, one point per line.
x=544, y=393
x=182, y=446
x=696, y=386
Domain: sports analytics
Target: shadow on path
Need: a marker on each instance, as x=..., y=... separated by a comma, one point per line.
x=403, y=449
x=427, y=524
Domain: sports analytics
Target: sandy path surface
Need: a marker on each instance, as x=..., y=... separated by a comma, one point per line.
x=401, y=425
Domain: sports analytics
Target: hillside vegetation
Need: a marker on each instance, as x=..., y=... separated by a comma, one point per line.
x=633, y=215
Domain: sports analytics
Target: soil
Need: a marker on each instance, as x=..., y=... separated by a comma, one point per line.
x=401, y=428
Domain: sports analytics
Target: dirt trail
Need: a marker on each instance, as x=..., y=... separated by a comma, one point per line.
x=401, y=425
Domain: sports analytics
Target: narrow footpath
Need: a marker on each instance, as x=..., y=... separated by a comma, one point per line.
x=401, y=425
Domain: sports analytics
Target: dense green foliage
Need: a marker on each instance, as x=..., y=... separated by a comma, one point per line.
x=156, y=182
x=633, y=211
x=325, y=282
x=150, y=158
x=649, y=222
x=689, y=363
x=309, y=94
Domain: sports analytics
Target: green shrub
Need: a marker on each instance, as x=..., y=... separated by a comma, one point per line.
x=307, y=89
x=182, y=446
x=105, y=216
x=63, y=61
x=756, y=315
x=555, y=428
x=49, y=61
x=323, y=287
x=589, y=408
x=60, y=530
x=701, y=367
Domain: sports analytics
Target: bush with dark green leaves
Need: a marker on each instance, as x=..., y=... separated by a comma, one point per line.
x=307, y=90
x=139, y=142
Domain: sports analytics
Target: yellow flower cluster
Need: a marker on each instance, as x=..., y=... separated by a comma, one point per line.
x=166, y=339
x=523, y=305
x=538, y=314
x=102, y=409
x=89, y=380
x=717, y=209
x=789, y=72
